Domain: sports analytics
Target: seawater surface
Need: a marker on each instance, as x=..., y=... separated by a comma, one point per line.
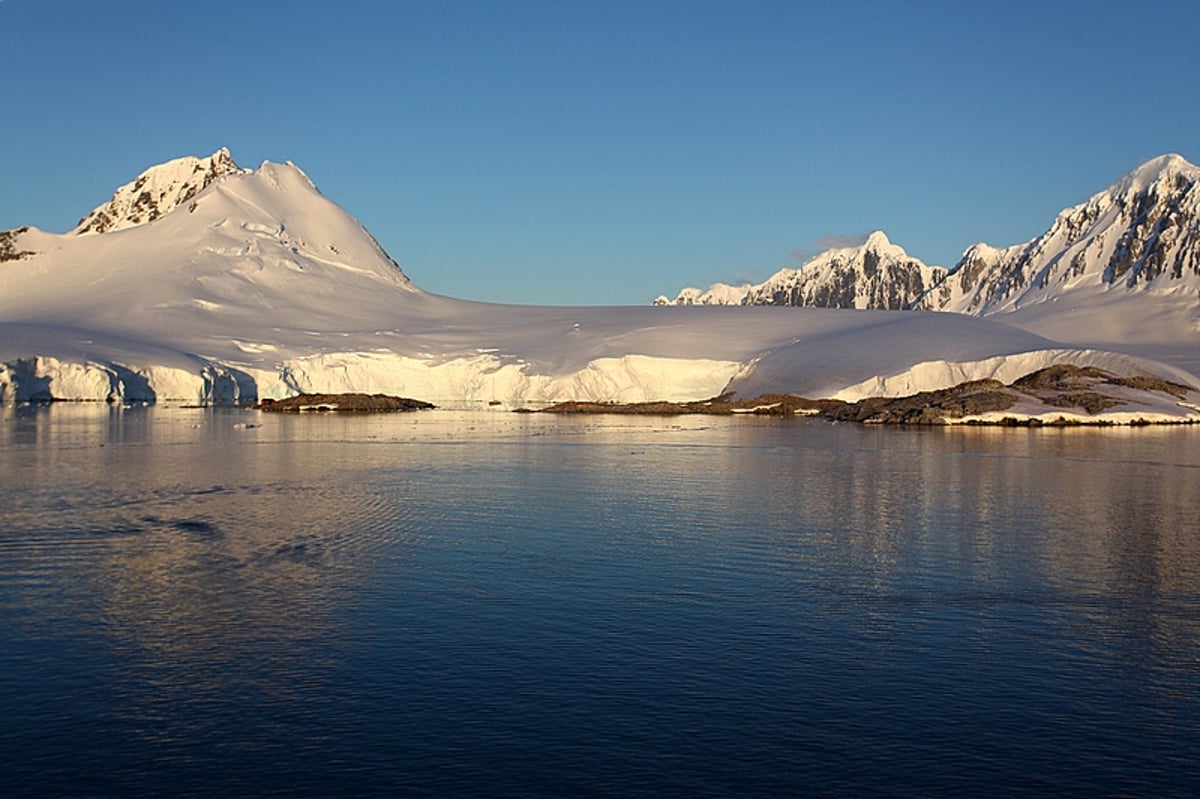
x=218, y=602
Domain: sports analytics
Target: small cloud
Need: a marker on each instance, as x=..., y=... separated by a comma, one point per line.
x=750, y=275
x=832, y=241
x=829, y=241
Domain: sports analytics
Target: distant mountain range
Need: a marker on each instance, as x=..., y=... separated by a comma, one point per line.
x=203, y=282
x=1141, y=236
x=876, y=274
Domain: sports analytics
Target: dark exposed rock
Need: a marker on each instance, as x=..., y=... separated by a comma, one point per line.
x=930, y=407
x=1065, y=386
x=765, y=405
x=1060, y=386
x=1061, y=377
x=1091, y=401
x=354, y=403
x=1144, y=383
x=8, y=245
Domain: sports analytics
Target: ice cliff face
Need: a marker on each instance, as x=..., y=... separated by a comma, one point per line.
x=874, y=275
x=1141, y=235
x=158, y=191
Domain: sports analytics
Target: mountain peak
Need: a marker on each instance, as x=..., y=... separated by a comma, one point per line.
x=1141, y=235
x=878, y=240
x=879, y=243
x=1155, y=170
x=158, y=191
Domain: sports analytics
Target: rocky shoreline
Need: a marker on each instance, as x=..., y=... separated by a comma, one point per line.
x=1060, y=395
x=1056, y=396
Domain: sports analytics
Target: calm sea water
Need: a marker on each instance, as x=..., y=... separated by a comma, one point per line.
x=216, y=603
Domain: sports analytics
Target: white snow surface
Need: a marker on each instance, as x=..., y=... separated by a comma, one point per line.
x=257, y=286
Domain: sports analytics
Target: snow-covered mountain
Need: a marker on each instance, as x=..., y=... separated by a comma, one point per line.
x=876, y=274
x=157, y=192
x=1122, y=269
x=203, y=262
x=1129, y=256
x=1142, y=234
x=1135, y=244
x=205, y=282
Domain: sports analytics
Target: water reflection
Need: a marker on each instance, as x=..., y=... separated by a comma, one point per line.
x=543, y=605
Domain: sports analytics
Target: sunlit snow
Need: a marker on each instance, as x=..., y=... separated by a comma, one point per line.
x=257, y=286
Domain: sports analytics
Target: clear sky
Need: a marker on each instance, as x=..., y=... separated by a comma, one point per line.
x=603, y=152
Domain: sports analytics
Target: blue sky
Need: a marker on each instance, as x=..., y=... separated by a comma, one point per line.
x=594, y=153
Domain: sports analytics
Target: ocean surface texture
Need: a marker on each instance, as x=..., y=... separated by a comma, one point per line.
x=218, y=603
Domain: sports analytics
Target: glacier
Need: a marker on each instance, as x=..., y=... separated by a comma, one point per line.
x=201, y=282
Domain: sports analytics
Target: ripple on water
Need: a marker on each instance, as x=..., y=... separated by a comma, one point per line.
x=554, y=608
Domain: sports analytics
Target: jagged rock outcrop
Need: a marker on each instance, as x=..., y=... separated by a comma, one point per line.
x=874, y=275
x=10, y=245
x=158, y=191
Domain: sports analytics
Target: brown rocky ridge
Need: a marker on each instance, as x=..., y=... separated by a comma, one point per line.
x=8, y=245
x=1082, y=393
x=343, y=403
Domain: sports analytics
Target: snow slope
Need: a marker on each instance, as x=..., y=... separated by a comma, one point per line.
x=255, y=285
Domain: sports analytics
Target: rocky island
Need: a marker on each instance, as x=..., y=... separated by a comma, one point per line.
x=344, y=403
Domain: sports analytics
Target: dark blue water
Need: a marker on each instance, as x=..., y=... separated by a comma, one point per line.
x=220, y=603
